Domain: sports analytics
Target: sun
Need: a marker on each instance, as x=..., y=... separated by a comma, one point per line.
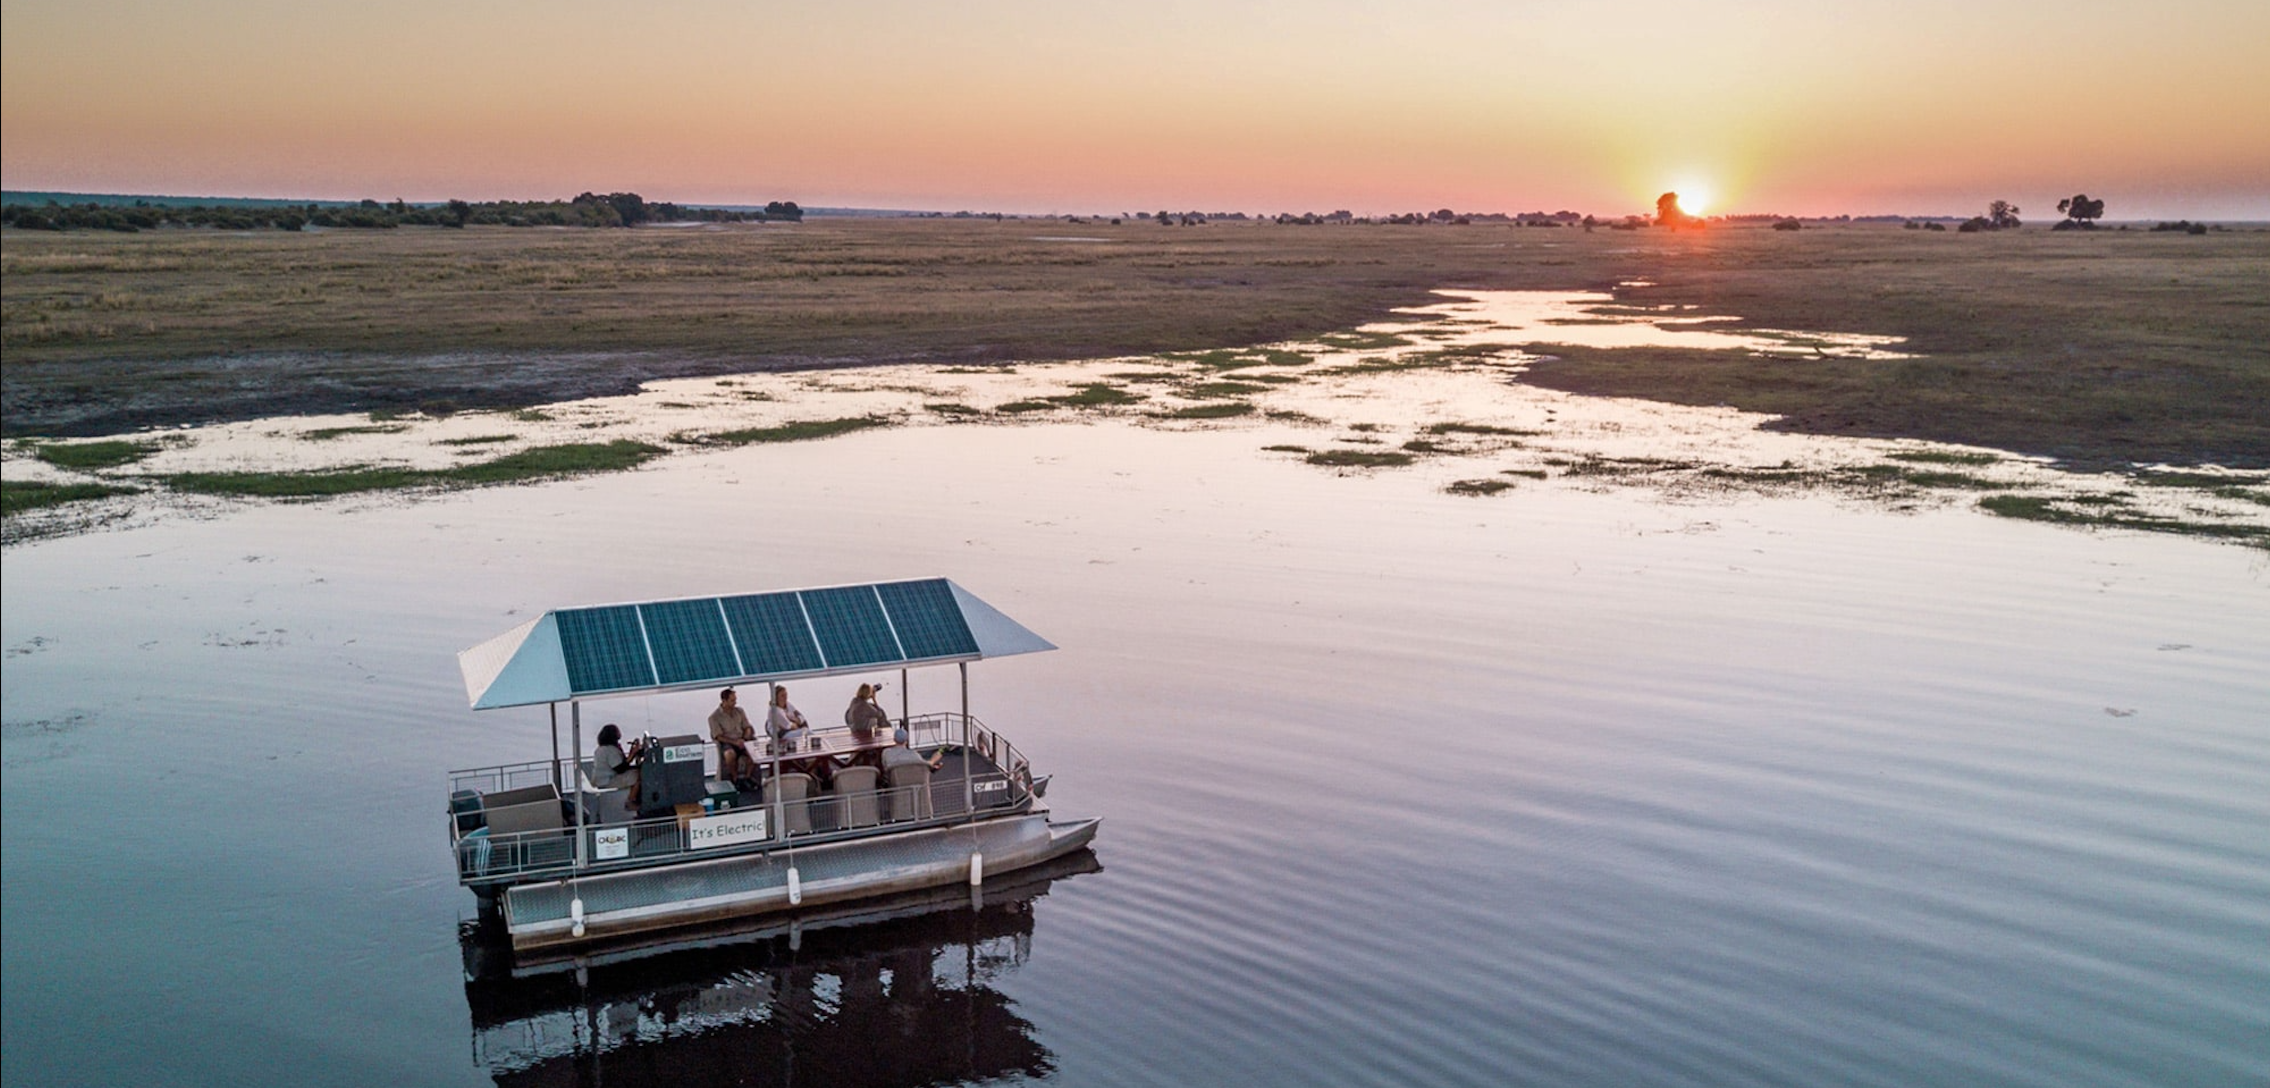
x=1694, y=198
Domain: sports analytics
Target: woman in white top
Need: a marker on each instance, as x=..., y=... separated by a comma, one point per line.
x=788, y=727
x=784, y=716
x=611, y=766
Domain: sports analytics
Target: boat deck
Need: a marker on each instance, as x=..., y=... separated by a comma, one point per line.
x=520, y=829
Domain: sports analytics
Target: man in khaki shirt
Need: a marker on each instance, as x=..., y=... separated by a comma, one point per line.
x=729, y=727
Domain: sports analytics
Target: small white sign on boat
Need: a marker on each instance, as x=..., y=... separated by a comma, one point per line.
x=610, y=843
x=730, y=829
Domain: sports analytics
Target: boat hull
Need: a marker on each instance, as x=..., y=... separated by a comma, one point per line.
x=617, y=905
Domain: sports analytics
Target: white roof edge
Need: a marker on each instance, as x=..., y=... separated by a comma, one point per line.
x=518, y=668
x=997, y=635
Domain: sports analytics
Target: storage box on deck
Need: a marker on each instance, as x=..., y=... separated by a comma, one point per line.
x=670, y=773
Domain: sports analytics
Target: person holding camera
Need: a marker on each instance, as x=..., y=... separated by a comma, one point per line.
x=866, y=719
x=612, y=765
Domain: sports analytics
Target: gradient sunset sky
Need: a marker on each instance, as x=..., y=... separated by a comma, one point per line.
x=1920, y=107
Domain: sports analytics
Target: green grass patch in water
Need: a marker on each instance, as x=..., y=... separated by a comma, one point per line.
x=800, y=431
x=541, y=462
x=1359, y=458
x=93, y=456
x=2049, y=509
x=1020, y=407
x=1223, y=389
x=949, y=409
x=17, y=496
x=1219, y=410
x=1097, y=396
x=1949, y=479
x=1478, y=487
x=478, y=440
x=1943, y=457
x=1477, y=429
x=546, y=461
x=327, y=434
x=298, y=485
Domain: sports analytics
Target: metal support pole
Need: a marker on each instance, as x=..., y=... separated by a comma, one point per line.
x=779, y=798
x=969, y=751
x=558, y=775
x=903, y=713
x=575, y=722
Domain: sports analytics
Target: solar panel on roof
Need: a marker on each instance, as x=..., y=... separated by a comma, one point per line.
x=604, y=650
x=928, y=621
x=689, y=641
x=851, y=627
x=772, y=634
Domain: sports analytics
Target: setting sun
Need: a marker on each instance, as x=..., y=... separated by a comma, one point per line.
x=1693, y=199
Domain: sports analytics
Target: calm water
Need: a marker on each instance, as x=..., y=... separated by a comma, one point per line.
x=1557, y=787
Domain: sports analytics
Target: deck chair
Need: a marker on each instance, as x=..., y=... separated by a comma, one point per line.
x=910, y=791
x=533, y=832
x=794, y=790
x=857, y=804
x=609, y=804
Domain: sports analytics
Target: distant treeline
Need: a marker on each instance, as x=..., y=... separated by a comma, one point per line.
x=586, y=210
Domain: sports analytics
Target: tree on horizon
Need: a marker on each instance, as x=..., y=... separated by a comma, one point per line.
x=2080, y=210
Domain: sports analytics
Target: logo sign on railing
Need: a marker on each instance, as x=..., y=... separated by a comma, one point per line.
x=679, y=753
x=996, y=785
x=730, y=829
x=609, y=843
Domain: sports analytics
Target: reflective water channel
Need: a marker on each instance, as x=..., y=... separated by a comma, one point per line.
x=1564, y=785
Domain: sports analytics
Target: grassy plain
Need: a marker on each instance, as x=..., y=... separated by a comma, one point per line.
x=2098, y=348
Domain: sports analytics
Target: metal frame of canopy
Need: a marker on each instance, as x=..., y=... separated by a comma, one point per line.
x=537, y=663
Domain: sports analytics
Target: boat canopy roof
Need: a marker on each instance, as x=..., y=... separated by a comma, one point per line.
x=695, y=642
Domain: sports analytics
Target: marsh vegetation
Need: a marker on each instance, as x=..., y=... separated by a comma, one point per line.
x=2094, y=347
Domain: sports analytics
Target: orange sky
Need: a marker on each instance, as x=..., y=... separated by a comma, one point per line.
x=1803, y=108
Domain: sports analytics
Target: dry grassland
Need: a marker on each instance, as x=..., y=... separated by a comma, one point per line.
x=2097, y=347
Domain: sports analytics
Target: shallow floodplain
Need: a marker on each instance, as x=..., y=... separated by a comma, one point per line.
x=1579, y=782
x=1446, y=384
x=2095, y=347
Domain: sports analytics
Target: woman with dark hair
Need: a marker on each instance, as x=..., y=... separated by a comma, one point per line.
x=866, y=718
x=614, y=767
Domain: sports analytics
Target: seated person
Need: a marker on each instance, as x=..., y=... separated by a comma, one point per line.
x=783, y=716
x=820, y=767
x=613, y=766
x=866, y=719
x=729, y=726
x=901, y=753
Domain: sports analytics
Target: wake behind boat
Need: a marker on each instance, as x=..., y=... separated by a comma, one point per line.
x=562, y=852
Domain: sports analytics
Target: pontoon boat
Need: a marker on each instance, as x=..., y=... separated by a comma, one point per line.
x=561, y=860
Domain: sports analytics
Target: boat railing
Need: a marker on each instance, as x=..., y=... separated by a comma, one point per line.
x=493, y=854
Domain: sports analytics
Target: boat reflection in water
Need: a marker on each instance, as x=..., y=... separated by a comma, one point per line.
x=885, y=992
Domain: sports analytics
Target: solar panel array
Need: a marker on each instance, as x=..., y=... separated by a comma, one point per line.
x=626, y=646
